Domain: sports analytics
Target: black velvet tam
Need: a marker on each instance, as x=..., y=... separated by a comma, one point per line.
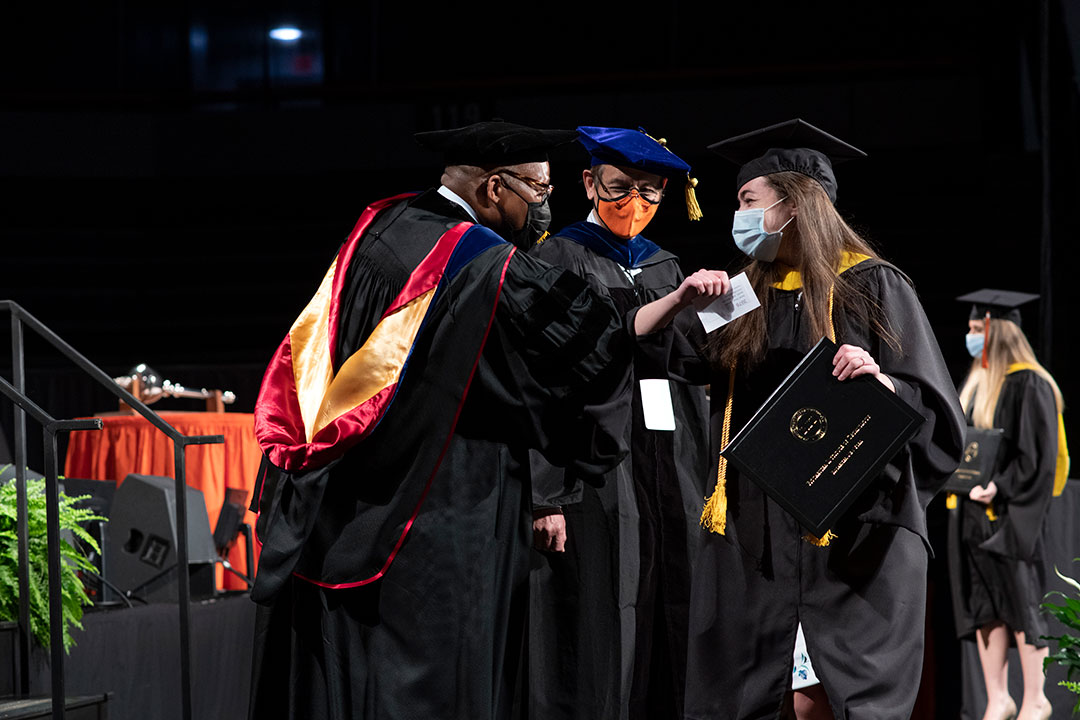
x=494, y=142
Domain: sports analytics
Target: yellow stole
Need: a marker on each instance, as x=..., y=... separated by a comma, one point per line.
x=1061, y=470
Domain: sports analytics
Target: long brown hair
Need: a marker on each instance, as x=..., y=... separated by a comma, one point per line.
x=822, y=237
x=1005, y=346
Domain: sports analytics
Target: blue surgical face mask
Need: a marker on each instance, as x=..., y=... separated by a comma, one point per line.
x=748, y=230
x=975, y=342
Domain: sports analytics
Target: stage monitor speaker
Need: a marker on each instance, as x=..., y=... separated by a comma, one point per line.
x=100, y=493
x=98, y=497
x=7, y=472
x=140, y=551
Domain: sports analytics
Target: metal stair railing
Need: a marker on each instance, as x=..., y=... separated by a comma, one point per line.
x=16, y=392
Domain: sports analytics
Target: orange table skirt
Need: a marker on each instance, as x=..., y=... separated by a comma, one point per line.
x=129, y=444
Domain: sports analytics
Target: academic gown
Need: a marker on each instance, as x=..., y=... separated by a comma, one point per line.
x=608, y=617
x=998, y=568
x=384, y=597
x=861, y=599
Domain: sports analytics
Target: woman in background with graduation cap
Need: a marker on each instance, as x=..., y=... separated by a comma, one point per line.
x=857, y=594
x=997, y=562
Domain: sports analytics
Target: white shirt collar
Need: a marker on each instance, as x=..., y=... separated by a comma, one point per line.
x=455, y=198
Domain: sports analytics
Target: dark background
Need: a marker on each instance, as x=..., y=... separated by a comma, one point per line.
x=174, y=183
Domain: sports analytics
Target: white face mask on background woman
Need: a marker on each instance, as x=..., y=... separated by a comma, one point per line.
x=750, y=235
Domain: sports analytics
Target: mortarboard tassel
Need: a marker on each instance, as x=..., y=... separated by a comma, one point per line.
x=986, y=338
x=693, y=210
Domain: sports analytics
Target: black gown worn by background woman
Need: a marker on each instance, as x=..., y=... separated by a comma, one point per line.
x=861, y=599
x=998, y=568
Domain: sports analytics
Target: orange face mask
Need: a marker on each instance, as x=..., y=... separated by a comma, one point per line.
x=626, y=216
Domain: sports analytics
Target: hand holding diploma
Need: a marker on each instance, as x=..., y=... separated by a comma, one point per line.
x=982, y=494
x=852, y=361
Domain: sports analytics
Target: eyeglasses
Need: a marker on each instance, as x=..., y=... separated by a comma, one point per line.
x=648, y=193
x=542, y=190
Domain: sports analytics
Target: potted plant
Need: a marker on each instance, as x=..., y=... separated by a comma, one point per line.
x=1068, y=646
x=74, y=596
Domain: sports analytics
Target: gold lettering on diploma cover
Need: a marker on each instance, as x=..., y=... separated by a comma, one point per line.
x=971, y=451
x=842, y=453
x=809, y=424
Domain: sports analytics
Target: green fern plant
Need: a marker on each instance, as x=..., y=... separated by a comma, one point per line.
x=74, y=596
x=1068, y=646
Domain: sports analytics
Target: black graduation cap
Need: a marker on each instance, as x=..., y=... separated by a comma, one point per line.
x=1003, y=304
x=494, y=142
x=794, y=145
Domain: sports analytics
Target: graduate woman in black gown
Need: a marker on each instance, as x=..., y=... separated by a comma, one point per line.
x=997, y=559
x=857, y=593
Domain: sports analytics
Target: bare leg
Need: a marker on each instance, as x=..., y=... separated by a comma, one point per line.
x=1035, y=706
x=811, y=703
x=993, y=642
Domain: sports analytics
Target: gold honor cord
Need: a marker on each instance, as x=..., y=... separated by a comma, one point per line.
x=714, y=514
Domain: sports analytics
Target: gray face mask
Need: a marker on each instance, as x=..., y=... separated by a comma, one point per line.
x=537, y=220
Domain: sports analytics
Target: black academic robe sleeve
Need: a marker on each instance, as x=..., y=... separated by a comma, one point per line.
x=557, y=362
x=918, y=471
x=677, y=347
x=1027, y=412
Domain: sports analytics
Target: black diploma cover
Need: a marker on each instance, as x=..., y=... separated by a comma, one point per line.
x=980, y=458
x=818, y=442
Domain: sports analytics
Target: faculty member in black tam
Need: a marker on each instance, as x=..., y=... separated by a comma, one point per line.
x=997, y=556
x=609, y=614
x=396, y=419
x=857, y=593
